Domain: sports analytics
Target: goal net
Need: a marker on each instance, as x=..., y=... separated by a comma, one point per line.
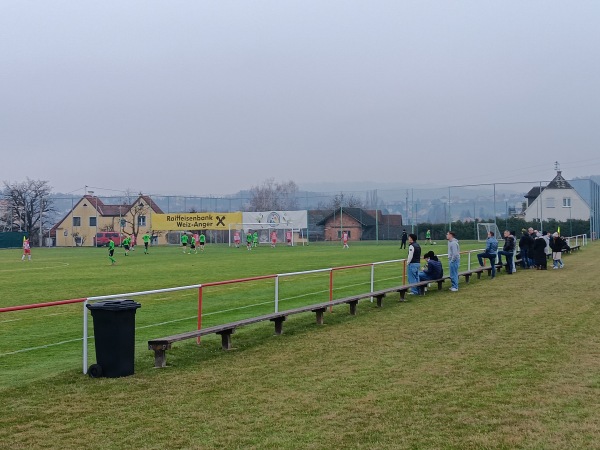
x=238, y=232
x=484, y=228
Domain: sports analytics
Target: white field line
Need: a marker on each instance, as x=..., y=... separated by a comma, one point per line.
x=25, y=264
x=11, y=320
x=189, y=318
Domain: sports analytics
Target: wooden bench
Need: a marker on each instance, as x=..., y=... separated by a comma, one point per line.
x=161, y=345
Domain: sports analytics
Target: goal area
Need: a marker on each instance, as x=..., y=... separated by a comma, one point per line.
x=484, y=228
x=285, y=235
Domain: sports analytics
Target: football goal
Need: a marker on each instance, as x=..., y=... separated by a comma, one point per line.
x=484, y=228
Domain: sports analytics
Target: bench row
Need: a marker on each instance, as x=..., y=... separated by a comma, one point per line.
x=161, y=345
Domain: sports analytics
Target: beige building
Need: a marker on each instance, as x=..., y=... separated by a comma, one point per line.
x=558, y=201
x=90, y=219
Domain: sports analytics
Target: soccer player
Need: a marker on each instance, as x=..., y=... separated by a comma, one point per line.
x=345, y=239
x=184, y=242
x=126, y=243
x=193, y=245
x=236, y=239
x=273, y=238
x=111, y=251
x=249, y=240
x=146, y=240
x=132, y=242
x=428, y=237
x=288, y=237
x=255, y=239
x=202, y=241
x=26, y=250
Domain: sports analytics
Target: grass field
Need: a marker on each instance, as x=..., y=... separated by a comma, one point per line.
x=509, y=363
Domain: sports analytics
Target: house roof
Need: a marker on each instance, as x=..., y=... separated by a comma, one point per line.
x=534, y=192
x=559, y=182
x=359, y=214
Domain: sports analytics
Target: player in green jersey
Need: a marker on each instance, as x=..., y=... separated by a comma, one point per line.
x=146, y=240
x=202, y=241
x=184, y=241
x=111, y=251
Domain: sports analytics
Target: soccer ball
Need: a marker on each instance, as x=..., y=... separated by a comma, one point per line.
x=435, y=243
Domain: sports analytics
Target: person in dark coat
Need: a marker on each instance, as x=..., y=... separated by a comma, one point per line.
x=524, y=244
x=539, y=252
x=403, y=239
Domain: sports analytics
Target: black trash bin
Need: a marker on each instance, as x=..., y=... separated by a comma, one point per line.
x=114, y=335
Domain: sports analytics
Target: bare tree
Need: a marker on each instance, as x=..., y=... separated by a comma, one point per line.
x=28, y=201
x=342, y=200
x=139, y=209
x=274, y=196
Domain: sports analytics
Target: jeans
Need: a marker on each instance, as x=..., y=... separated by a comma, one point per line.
x=509, y=260
x=524, y=258
x=413, y=276
x=454, y=272
x=491, y=257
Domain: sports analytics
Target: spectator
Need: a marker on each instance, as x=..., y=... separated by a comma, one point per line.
x=453, y=259
x=508, y=250
x=433, y=270
x=539, y=252
x=491, y=248
x=524, y=244
x=557, y=246
x=413, y=262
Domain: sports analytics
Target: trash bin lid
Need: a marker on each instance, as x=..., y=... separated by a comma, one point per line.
x=114, y=305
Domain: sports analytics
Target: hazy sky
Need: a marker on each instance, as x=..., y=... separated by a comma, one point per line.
x=209, y=97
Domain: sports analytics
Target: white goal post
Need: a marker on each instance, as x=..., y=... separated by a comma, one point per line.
x=484, y=228
x=264, y=232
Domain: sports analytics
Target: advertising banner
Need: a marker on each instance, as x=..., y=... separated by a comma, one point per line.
x=195, y=221
x=278, y=219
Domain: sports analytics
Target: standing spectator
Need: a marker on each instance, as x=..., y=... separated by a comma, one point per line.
x=413, y=262
x=539, y=252
x=557, y=245
x=453, y=259
x=26, y=249
x=508, y=250
x=428, y=237
x=532, y=236
x=433, y=270
x=524, y=245
x=491, y=248
x=548, y=239
x=404, y=238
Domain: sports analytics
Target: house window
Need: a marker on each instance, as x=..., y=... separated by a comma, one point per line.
x=340, y=233
x=92, y=221
x=550, y=202
x=566, y=202
x=76, y=221
x=142, y=221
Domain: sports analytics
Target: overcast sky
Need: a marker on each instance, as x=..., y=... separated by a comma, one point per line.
x=210, y=97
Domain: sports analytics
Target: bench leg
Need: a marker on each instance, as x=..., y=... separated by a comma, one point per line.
x=278, y=325
x=479, y=275
x=467, y=277
x=402, y=295
x=440, y=283
x=226, y=339
x=353, y=307
x=380, y=300
x=320, y=313
x=160, y=356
